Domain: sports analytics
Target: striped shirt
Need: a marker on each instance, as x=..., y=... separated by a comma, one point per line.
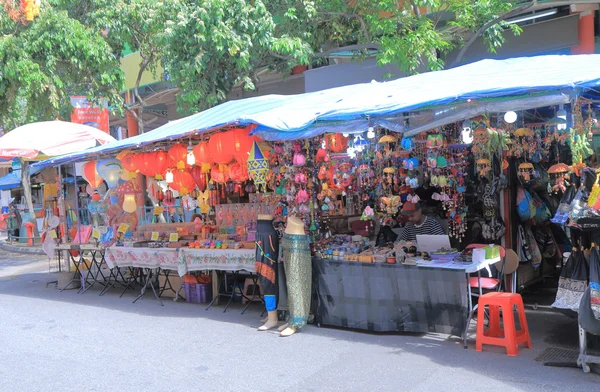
x=429, y=227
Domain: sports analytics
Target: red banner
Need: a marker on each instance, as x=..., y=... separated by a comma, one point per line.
x=85, y=114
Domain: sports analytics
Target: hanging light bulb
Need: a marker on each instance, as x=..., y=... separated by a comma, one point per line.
x=169, y=177
x=345, y=134
x=562, y=114
x=510, y=117
x=191, y=158
x=360, y=143
x=371, y=133
x=129, y=204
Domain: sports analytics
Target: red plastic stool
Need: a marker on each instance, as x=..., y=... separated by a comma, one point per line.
x=508, y=337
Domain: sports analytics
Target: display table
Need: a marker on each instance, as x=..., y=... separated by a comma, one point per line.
x=394, y=297
x=389, y=297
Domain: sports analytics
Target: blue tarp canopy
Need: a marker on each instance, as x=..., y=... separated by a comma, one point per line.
x=279, y=117
x=13, y=180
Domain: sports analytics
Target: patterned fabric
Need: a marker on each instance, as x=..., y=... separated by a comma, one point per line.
x=181, y=260
x=212, y=259
x=389, y=298
x=298, y=270
x=267, y=253
x=595, y=282
x=119, y=256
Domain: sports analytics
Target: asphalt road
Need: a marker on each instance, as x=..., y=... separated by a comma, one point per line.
x=64, y=341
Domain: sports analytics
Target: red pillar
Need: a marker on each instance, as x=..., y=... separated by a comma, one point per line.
x=132, y=124
x=586, y=34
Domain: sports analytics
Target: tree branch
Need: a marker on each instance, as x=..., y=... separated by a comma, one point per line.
x=486, y=26
x=415, y=8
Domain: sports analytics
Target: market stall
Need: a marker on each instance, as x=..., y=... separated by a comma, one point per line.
x=386, y=168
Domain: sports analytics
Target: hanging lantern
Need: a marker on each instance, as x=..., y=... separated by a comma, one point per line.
x=258, y=166
x=202, y=153
x=178, y=155
x=91, y=175
x=161, y=160
x=190, y=157
x=220, y=174
x=221, y=147
x=238, y=172
x=110, y=170
x=242, y=143
x=336, y=142
x=145, y=164
x=206, y=167
x=183, y=182
x=199, y=177
x=129, y=162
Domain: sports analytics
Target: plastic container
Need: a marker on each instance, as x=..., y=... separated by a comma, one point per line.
x=198, y=293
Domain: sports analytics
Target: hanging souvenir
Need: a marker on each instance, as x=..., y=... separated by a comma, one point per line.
x=525, y=172
x=258, y=166
x=558, y=178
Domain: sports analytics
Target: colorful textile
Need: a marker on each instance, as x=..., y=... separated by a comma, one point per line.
x=595, y=282
x=267, y=253
x=298, y=270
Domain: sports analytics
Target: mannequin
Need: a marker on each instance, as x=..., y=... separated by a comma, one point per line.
x=266, y=266
x=298, y=269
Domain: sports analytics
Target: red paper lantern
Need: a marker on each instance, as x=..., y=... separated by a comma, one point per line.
x=199, y=177
x=161, y=162
x=221, y=148
x=220, y=174
x=129, y=162
x=183, y=182
x=336, y=142
x=242, y=143
x=202, y=153
x=178, y=155
x=238, y=172
x=147, y=164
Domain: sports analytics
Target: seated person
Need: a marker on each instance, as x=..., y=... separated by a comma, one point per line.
x=418, y=224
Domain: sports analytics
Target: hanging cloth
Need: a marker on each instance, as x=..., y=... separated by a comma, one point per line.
x=595, y=282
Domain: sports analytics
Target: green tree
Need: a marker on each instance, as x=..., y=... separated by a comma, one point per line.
x=44, y=62
x=399, y=29
x=215, y=45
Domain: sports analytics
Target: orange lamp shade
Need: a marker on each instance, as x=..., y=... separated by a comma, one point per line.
x=336, y=142
x=220, y=174
x=129, y=162
x=202, y=153
x=221, y=147
x=90, y=174
x=242, y=143
x=178, y=155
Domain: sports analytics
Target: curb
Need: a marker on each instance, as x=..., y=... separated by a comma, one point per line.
x=20, y=249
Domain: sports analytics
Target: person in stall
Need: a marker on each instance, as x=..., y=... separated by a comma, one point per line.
x=418, y=223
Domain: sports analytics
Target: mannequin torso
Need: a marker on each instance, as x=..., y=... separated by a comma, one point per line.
x=295, y=226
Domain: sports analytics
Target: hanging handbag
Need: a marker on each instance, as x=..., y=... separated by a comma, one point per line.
x=572, y=283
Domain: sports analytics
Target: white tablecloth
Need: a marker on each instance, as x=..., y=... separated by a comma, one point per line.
x=120, y=256
x=221, y=260
x=181, y=260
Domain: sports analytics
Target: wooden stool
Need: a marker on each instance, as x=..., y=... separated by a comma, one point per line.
x=508, y=336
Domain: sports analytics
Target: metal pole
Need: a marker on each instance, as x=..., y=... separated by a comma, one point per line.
x=77, y=201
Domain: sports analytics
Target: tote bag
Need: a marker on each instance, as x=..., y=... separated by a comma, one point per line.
x=572, y=283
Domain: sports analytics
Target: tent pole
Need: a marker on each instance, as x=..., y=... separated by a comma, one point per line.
x=77, y=201
x=60, y=203
x=26, y=182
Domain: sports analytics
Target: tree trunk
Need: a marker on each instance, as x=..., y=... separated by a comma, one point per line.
x=26, y=182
